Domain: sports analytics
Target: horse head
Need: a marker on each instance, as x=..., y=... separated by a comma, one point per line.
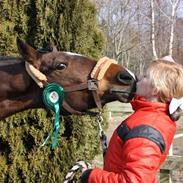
x=86, y=84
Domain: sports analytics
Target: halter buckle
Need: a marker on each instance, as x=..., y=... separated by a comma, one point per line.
x=92, y=84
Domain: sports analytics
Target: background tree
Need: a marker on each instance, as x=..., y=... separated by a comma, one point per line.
x=153, y=30
x=71, y=26
x=174, y=4
x=140, y=30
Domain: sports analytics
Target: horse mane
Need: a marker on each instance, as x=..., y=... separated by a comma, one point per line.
x=9, y=60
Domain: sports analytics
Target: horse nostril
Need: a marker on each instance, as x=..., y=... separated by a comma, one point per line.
x=125, y=78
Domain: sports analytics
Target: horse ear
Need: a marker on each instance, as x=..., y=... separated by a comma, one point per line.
x=28, y=53
x=52, y=47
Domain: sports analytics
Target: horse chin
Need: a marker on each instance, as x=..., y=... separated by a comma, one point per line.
x=122, y=98
x=121, y=95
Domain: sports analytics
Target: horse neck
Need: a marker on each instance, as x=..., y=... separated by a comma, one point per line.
x=18, y=91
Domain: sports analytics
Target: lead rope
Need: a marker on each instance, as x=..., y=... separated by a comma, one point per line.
x=102, y=135
x=82, y=165
x=79, y=166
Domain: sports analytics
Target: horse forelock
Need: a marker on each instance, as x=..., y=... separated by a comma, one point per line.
x=73, y=54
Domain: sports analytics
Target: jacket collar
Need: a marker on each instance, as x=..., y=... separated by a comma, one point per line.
x=140, y=103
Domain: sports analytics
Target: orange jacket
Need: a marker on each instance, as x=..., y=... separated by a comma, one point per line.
x=138, y=146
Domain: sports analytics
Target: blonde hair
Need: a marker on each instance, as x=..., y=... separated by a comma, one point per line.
x=167, y=78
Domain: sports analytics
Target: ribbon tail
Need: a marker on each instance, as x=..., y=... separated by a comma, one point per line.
x=56, y=125
x=47, y=138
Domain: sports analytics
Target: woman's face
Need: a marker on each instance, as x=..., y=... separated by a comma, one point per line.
x=145, y=88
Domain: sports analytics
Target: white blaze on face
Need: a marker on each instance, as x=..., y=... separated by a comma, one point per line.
x=70, y=53
x=131, y=73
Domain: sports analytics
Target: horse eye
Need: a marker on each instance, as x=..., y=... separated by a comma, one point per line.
x=61, y=66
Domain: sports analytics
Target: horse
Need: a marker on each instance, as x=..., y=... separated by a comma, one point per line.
x=86, y=85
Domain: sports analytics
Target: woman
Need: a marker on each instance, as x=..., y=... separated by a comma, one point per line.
x=141, y=143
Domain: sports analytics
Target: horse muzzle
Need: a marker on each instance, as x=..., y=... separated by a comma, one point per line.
x=126, y=77
x=127, y=92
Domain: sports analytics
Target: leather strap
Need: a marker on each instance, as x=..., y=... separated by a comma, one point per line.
x=78, y=87
x=92, y=84
x=68, y=108
x=97, y=98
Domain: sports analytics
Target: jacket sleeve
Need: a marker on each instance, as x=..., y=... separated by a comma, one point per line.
x=141, y=163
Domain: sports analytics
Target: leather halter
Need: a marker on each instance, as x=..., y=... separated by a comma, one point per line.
x=92, y=84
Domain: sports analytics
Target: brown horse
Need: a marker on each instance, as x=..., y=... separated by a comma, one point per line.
x=19, y=91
